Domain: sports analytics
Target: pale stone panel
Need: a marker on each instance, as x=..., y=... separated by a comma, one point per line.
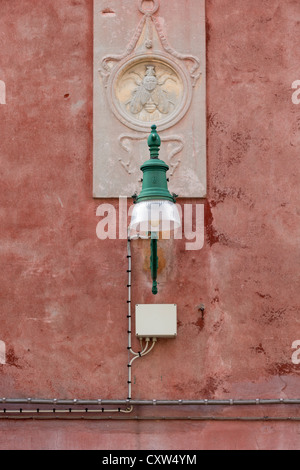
x=149, y=68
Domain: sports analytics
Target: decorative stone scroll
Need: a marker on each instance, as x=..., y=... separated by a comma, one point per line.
x=130, y=165
x=148, y=82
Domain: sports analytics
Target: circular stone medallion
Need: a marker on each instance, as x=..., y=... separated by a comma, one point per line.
x=149, y=89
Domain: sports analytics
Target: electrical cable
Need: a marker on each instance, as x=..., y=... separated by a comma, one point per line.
x=130, y=403
x=144, y=351
x=99, y=415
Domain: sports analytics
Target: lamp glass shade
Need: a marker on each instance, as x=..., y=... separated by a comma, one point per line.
x=154, y=216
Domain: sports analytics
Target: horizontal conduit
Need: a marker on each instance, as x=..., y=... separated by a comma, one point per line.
x=227, y=402
x=38, y=416
x=83, y=410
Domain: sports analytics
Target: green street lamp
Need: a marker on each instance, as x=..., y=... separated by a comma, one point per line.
x=155, y=210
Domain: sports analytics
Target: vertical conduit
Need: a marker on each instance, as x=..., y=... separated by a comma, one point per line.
x=144, y=350
x=129, y=313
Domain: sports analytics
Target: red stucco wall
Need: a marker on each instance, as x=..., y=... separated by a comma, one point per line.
x=63, y=291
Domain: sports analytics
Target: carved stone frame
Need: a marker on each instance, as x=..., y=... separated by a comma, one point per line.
x=120, y=132
x=155, y=56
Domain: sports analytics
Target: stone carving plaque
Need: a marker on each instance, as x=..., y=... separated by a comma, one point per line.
x=149, y=68
x=149, y=92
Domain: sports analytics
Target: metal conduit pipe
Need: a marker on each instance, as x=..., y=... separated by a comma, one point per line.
x=152, y=418
x=144, y=350
x=126, y=414
x=126, y=402
x=130, y=403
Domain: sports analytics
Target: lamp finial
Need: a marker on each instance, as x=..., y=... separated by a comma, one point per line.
x=154, y=142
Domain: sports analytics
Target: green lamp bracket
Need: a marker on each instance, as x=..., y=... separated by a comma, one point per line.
x=154, y=142
x=154, y=188
x=154, y=264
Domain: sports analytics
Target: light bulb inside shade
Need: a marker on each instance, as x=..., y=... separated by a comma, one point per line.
x=154, y=216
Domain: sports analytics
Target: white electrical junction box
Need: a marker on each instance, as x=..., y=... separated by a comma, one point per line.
x=156, y=320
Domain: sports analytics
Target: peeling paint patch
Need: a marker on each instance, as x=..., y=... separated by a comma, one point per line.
x=211, y=386
x=272, y=314
x=212, y=236
x=258, y=349
x=2, y=353
x=283, y=369
x=199, y=323
x=220, y=196
x=12, y=359
x=263, y=296
x=211, y=233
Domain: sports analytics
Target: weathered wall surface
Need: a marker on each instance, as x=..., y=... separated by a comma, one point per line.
x=63, y=291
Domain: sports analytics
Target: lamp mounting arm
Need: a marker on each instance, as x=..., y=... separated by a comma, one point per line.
x=154, y=264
